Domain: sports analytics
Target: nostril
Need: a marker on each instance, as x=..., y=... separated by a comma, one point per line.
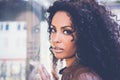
x=56, y=40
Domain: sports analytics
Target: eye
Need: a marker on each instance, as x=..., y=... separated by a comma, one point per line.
x=68, y=32
x=52, y=30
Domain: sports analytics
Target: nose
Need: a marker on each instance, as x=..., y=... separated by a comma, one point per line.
x=57, y=38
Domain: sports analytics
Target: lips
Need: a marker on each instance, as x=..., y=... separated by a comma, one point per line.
x=57, y=49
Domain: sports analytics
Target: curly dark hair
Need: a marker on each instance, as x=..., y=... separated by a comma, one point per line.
x=97, y=36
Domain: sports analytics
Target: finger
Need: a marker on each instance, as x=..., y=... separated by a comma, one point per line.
x=43, y=72
x=46, y=72
x=37, y=77
x=35, y=74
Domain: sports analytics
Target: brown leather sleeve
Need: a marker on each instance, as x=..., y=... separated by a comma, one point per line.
x=87, y=76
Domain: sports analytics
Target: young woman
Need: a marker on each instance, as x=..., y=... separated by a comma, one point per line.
x=86, y=37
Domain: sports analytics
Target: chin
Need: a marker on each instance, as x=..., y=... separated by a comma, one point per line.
x=59, y=57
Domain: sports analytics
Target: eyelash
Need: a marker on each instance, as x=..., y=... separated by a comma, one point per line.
x=51, y=30
x=67, y=32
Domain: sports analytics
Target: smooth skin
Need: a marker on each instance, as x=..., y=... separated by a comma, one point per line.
x=61, y=38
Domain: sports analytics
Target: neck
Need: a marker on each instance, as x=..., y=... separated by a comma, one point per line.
x=69, y=61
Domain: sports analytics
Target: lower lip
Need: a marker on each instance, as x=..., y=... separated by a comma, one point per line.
x=58, y=50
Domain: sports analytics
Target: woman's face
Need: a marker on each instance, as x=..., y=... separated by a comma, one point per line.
x=62, y=34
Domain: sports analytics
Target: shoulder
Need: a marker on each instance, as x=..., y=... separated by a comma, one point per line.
x=79, y=72
x=87, y=76
x=84, y=73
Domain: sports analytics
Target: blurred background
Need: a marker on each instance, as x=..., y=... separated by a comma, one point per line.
x=24, y=41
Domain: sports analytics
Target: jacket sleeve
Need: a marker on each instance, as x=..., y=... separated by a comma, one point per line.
x=88, y=76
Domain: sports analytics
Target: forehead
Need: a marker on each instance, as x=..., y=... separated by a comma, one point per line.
x=61, y=18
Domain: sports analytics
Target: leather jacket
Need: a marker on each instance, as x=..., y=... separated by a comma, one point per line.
x=78, y=72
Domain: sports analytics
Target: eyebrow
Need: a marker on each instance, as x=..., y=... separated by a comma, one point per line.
x=62, y=26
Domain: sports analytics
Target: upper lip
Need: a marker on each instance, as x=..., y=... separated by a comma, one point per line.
x=57, y=48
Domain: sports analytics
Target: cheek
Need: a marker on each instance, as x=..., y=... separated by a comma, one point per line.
x=69, y=39
x=70, y=45
x=70, y=48
x=69, y=42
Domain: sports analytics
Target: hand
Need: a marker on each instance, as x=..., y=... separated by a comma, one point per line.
x=39, y=73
